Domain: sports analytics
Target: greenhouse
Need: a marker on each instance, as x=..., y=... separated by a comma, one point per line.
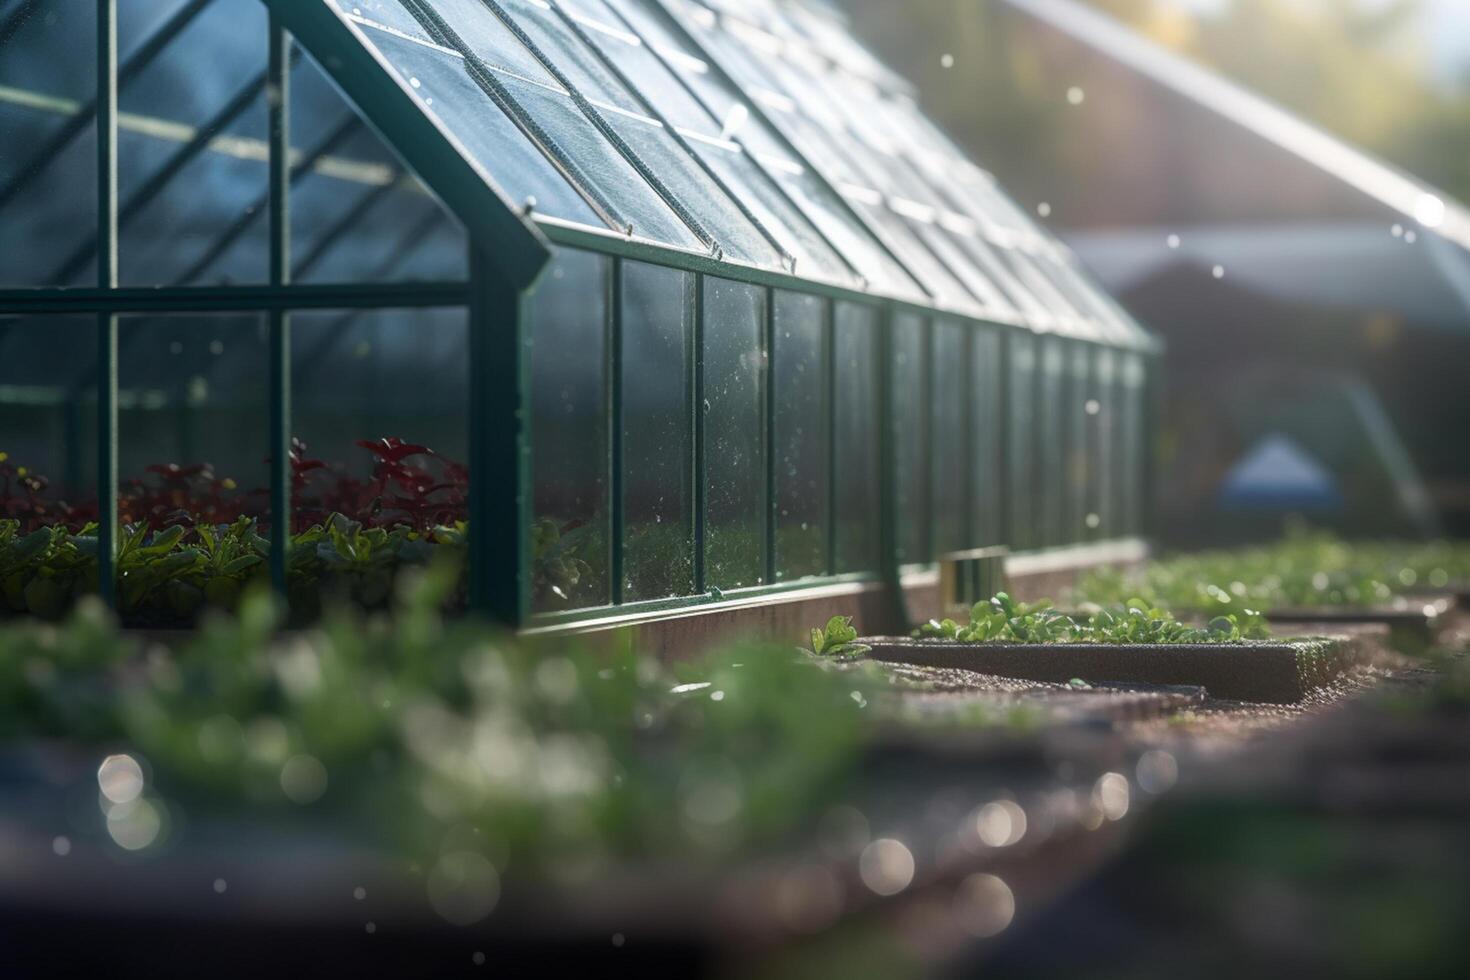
x=644, y=306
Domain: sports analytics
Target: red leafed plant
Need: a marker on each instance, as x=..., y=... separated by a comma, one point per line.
x=410, y=485
x=24, y=498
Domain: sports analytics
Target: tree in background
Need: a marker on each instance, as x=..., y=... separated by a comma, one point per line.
x=1355, y=67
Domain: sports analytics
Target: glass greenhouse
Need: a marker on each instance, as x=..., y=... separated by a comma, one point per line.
x=643, y=305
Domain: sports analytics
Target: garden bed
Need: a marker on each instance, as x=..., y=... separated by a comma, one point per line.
x=1277, y=672
x=1419, y=618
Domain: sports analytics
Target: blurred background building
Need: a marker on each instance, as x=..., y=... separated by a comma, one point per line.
x=1269, y=184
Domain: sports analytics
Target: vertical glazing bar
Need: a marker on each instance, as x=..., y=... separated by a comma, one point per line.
x=500, y=446
x=768, y=340
x=697, y=421
x=107, y=279
x=278, y=99
x=829, y=410
x=615, y=432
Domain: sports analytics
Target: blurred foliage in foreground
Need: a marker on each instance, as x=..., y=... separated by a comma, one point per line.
x=1351, y=66
x=422, y=734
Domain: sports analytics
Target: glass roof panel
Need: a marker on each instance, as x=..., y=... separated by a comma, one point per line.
x=444, y=88
x=570, y=49
x=810, y=195
x=760, y=130
x=650, y=72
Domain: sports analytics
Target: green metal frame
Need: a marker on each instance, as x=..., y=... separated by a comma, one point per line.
x=508, y=251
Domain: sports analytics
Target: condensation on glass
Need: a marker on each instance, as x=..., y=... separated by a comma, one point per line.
x=858, y=474
x=801, y=381
x=658, y=432
x=911, y=439
x=733, y=407
x=568, y=329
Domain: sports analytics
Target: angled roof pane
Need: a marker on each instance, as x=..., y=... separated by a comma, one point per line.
x=758, y=131
x=652, y=71
x=444, y=87
x=797, y=109
x=721, y=97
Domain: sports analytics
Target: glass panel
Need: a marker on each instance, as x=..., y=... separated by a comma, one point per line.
x=192, y=453
x=734, y=410
x=950, y=402
x=490, y=138
x=569, y=438
x=802, y=465
x=357, y=215
x=658, y=458
x=657, y=84
x=379, y=406
x=1022, y=463
x=911, y=436
x=491, y=40
x=691, y=186
x=1079, y=461
x=48, y=170
x=824, y=209
x=192, y=150
x=560, y=46
x=988, y=372
x=1134, y=446
x=598, y=168
x=48, y=452
x=384, y=13
x=688, y=184
x=858, y=475
x=1101, y=436
x=1051, y=443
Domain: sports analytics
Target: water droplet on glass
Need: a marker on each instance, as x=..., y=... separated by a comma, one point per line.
x=1397, y=231
x=120, y=778
x=1044, y=209
x=303, y=779
x=886, y=866
x=61, y=846
x=735, y=120
x=463, y=887
x=220, y=885
x=1158, y=771
x=1075, y=95
x=478, y=958
x=1218, y=272
x=946, y=61
x=984, y=905
x=359, y=893
x=1110, y=795
x=1174, y=241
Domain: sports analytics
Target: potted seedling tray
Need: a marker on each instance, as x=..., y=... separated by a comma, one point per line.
x=1271, y=671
